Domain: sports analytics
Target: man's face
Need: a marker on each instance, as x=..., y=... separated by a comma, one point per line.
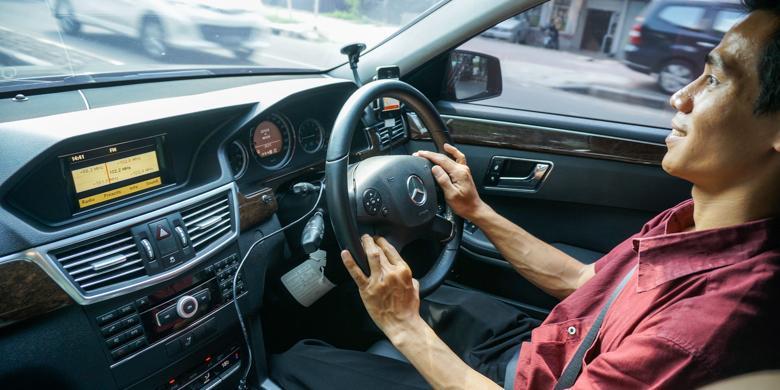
x=717, y=141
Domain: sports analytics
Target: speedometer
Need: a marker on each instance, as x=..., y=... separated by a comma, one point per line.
x=273, y=141
x=310, y=135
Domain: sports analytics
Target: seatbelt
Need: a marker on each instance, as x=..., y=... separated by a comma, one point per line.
x=573, y=368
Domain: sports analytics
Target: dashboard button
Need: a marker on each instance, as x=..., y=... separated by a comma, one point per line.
x=187, y=340
x=120, y=352
x=112, y=328
x=162, y=232
x=116, y=340
x=138, y=331
x=108, y=317
x=203, y=297
x=137, y=344
x=166, y=316
x=126, y=309
x=130, y=321
x=141, y=302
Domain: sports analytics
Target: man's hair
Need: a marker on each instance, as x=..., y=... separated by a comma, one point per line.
x=769, y=66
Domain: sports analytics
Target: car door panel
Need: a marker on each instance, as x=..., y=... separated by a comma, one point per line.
x=605, y=183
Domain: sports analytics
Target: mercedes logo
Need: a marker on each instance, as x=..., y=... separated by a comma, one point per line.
x=415, y=188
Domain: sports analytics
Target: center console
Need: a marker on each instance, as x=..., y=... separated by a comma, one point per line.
x=192, y=316
x=158, y=293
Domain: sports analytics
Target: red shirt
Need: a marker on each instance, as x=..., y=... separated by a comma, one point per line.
x=702, y=306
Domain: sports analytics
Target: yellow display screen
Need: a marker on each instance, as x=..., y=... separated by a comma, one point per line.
x=119, y=192
x=114, y=171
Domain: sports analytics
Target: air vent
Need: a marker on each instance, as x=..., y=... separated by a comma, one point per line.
x=208, y=222
x=103, y=262
x=389, y=134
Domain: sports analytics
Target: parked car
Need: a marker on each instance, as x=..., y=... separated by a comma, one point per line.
x=162, y=25
x=671, y=38
x=514, y=29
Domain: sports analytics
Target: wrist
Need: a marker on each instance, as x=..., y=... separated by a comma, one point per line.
x=482, y=212
x=406, y=331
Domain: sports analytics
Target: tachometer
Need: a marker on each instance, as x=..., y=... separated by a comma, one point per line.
x=272, y=141
x=310, y=135
x=237, y=156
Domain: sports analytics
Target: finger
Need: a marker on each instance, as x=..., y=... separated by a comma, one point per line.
x=354, y=271
x=439, y=159
x=390, y=252
x=373, y=253
x=460, y=158
x=442, y=178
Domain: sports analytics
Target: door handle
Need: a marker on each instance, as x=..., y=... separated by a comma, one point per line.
x=708, y=45
x=531, y=181
x=517, y=174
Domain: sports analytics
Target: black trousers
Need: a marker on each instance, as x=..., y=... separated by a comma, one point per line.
x=486, y=333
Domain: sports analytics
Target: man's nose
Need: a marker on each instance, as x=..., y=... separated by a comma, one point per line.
x=682, y=101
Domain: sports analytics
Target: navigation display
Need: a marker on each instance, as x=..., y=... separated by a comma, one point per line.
x=103, y=174
x=114, y=171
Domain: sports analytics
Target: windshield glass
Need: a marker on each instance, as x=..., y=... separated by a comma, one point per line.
x=45, y=41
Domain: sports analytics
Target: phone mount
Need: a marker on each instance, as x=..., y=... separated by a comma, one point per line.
x=352, y=51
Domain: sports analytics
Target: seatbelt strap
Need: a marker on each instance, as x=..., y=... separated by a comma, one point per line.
x=573, y=368
x=511, y=372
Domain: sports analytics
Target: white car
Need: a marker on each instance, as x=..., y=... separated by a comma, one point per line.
x=160, y=25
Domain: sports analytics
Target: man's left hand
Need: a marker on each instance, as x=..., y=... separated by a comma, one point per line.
x=391, y=296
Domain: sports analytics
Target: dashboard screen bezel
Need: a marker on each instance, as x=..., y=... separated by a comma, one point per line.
x=126, y=148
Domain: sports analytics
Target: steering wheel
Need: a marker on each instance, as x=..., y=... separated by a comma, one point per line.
x=392, y=195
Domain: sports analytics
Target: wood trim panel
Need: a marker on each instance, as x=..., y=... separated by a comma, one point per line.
x=26, y=291
x=256, y=208
x=547, y=140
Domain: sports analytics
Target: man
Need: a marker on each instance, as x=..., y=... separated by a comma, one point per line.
x=701, y=299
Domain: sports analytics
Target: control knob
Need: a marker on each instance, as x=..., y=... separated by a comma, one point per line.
x=186, y=306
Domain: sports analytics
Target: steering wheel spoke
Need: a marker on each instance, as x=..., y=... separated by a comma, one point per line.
x=441, y=229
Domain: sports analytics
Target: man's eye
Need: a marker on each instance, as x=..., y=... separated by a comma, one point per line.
x=712, y=81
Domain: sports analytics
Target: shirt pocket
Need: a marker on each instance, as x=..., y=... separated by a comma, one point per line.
x=555, y=343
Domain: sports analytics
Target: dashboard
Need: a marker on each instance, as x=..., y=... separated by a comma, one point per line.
x=124, y=221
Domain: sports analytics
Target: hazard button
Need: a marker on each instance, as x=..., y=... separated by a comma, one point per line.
x=163, y=234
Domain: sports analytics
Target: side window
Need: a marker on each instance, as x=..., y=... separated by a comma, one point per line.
x=616, y=60
x=725, y=19
x=683, y=16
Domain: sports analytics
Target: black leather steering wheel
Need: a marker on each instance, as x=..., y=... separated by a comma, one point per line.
x=393, y=196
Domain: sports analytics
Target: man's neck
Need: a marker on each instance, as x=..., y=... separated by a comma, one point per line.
x=733, y=206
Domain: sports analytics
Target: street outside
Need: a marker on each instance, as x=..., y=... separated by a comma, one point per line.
x=534, y=78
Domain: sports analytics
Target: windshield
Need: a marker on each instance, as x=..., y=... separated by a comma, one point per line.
x=51, y=41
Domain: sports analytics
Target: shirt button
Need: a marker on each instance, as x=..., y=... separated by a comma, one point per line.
x=571, y=330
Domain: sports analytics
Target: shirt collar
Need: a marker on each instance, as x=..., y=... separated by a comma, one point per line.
x=669, y=253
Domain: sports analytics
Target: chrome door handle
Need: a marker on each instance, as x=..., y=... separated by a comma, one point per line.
x=529, y=182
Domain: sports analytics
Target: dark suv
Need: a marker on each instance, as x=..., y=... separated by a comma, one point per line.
x=671, y=38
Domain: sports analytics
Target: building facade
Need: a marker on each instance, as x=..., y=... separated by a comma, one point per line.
x=600, y=26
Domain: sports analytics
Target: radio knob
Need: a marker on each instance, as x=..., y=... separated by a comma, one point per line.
x=186, y=306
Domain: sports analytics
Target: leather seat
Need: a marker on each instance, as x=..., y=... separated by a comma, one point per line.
x=387, y=349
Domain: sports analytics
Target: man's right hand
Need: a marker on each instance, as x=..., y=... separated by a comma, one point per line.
x=455, y=179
